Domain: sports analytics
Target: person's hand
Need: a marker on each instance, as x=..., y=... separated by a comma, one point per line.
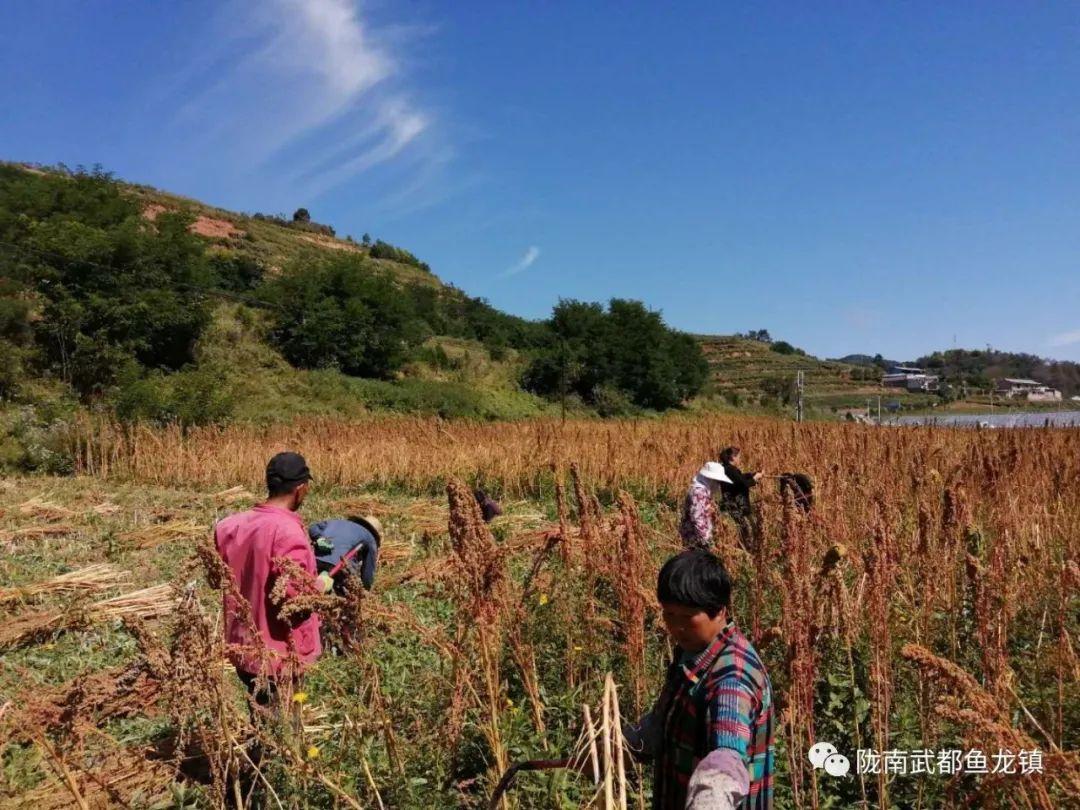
x=326, y=582
x=758, y=476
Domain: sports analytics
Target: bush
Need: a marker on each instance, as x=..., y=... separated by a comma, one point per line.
x=448, y=400
x=34, y=439
x=342, y=314
x=235, y=273
x=611, y=402
x=384, y=250
x=437, y=357
x=783, y=347
x=194, y=396
x=776, y=389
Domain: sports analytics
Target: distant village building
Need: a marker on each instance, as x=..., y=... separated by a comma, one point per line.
x=913, y=379
x=1031, y=390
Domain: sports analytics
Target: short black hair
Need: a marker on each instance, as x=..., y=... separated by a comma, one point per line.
x=696, y=578
x=278, y=488
x=728, y=453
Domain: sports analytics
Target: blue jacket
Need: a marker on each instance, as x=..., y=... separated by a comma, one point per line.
x=343, y=536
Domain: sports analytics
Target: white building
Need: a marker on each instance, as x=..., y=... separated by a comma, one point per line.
x=1031, y=390
x=909, y=377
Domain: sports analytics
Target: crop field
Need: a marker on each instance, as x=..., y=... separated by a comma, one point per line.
x=929, y=601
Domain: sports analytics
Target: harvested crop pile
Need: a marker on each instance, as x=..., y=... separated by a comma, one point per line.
x=99, y=577
x=170, y=532
x=124, y=777
x=148, y=603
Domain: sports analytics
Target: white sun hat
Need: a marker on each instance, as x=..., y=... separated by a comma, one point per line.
x=714, y=471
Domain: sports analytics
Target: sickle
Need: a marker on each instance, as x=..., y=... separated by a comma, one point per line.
x=527, y=765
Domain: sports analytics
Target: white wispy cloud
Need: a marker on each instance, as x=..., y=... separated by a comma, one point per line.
x=524, y=263
x=1065, y=339
x=396, y=126
x=307, y=88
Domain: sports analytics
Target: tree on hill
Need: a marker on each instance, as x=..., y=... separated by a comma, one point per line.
x=342, y=314
x=384, y=250
x=594, y=353
x=978, y=368
x=106, y=290
x=760, y=335
x=783, y=347
x=301, y=215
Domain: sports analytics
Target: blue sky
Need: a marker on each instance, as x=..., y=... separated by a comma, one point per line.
x=855, y=176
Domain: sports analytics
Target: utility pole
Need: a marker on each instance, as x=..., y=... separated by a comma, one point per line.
x=879, y=408
x=562, y=379
x=799, y=396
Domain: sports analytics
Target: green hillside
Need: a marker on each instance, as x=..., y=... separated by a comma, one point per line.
x=127, y=300
x=135, y=304
x=748, y=372
x=274, y=241
x=130, y=302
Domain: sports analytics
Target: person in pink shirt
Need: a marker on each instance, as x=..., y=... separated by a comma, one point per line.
x=261, y=644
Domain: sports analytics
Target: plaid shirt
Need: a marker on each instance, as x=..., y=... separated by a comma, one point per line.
x=723, y=699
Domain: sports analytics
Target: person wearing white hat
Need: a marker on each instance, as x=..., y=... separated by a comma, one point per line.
x=698, y=519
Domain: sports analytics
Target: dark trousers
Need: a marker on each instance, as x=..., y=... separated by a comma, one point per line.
x=744, y=523
x=262, y=697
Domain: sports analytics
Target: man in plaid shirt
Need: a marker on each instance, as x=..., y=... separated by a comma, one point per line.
x=710, y=735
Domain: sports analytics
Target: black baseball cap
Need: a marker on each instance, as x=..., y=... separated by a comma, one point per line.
x=287, y=468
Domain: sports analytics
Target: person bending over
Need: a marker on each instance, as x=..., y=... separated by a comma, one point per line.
x=347, y=547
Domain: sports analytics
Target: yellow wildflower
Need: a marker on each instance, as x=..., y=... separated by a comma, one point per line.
x=300, y=697
x=313, y=752
x=543, y=599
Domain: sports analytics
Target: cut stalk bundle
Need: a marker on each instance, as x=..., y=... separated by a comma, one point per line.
x=50, y=530
x=122, y=778
x=158, y=534
x=37, y=507
x=99, y=577
x=232, y=495
x=85, y=703
x=148, y=603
